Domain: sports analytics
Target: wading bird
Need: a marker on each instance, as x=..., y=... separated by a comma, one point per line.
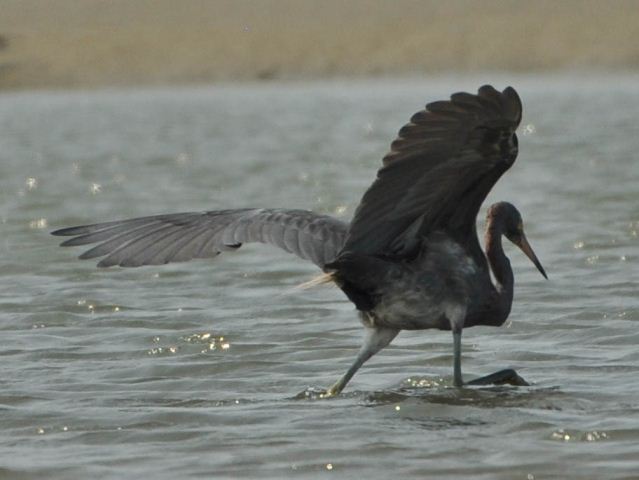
x=410, y=258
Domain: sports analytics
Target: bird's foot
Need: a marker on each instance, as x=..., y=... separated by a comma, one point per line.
x=313, y=393
x=502, y=377
x=332, y=392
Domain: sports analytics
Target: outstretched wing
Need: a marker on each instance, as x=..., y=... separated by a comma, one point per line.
x=438, y=172
x=180, y=237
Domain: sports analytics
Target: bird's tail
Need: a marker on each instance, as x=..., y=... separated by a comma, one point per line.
x=322, y=279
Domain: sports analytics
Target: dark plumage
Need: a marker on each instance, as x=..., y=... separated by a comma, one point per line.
x=410, y=258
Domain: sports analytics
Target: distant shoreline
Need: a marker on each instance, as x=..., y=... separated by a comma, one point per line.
x=88, y=44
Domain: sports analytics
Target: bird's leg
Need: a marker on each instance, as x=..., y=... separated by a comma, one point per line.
x=457, y=375
x=502, y=377
x=375, y=339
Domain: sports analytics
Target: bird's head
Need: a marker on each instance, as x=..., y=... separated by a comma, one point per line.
x=506, y=216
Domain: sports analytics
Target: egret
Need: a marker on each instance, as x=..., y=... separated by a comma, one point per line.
x=410, y=259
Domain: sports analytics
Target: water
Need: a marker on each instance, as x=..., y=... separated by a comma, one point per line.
x=192, y=370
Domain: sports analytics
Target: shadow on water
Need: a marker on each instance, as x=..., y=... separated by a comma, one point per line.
x=476, y=397
x=434, y=404
x=436, y=391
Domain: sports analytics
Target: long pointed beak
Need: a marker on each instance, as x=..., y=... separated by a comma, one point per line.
x=527, y=249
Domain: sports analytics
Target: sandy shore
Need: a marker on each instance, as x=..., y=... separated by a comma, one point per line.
x=88, y=43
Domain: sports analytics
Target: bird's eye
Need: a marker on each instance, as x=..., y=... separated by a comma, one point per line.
x=520, y=226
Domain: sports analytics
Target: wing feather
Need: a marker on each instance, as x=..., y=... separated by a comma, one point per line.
x=438, y=172
x=181, y=237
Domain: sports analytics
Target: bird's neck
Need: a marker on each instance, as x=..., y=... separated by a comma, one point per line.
x=500, y=266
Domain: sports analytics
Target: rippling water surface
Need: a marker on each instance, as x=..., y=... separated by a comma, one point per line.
x=194, y=370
